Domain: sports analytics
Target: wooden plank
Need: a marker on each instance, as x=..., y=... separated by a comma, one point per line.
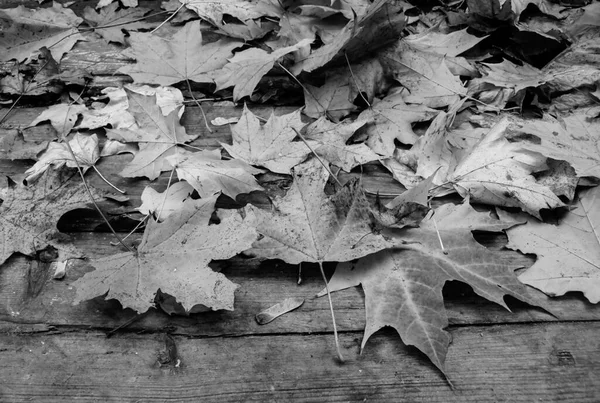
x=516, y=363
x=25, y=301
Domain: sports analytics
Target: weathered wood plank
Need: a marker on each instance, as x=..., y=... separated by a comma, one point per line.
x=25, y=301
x=515, y=363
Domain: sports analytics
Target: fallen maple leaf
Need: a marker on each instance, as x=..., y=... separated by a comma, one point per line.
x=403, y=285
x=247, y=67
x=269, y=145
x=572, y=138
x=568, y=253
x=306, y=225
x=392, y=119
x=25, y=31
x=181, y=57
x=115, y=112
x=85, y=149
x=13, y=146
x=166, y=203
x=331, y=144
x=61, y=116
x=108, y=22
x=173, y=257
x=158, y=136
x=28, y=214
x=332, y=99
x=209, y=174
x=499, y=173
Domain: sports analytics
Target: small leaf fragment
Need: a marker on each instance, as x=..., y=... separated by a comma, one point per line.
x=275, y=311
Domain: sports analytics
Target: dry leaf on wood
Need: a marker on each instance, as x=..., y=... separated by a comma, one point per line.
x=84, y=147
x=331, y=144
x=247, y=67
x=332, y=99
x=209, y=174
x=573, y=138
x=166, y=203
x=28, y=214
x=158, y=136
x=24, y=31
x=114, y=21
x=307, y=225
x=392, y=119
x=499, y=173
x=169, y=60
x=13, y=146
x=568, y=253
x=61, y=116
x=173, y=257
x=403, y=285
x=269, y=145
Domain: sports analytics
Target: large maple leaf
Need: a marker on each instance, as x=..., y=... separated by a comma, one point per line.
x=28, y=214
x=209, y=174
x=403, y=285
x=568, y=253
x=269, y=145
x=158, y=136
x=24, y=31
x=173, y=257
x=306, y=225
x=169, y=60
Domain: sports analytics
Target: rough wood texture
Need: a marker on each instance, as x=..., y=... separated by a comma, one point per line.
x=518, y=363
x=52, y=351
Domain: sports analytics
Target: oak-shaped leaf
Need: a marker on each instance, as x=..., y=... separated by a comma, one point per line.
x=173, y=257
x=269, y=145
x=28, y=214
x=157, y=135
x=568, y=253
x=183, y=56
x=209, y=174
x=403, y=285
x=24, y=31
x=84, y=147
x=307, y=225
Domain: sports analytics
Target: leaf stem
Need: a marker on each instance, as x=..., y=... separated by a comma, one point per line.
x=335, y=332
x=199, y=105
x=107, y=181
x=168, y=19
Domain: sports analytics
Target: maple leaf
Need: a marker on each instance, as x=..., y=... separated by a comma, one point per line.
x=13, y=146
x=499, y=173
x=243, y=10
x=380, y=25
x=115, y=112
x=247, y=67
x=181, y=57
x=157, y=135
x=166, y=203
x=331, y=144
x=85, y=149
x=332, y=99
x=269, y=145
x=114, y=21
x=392, y=119
x=568, y=253
x=209, y=174
x=306, y=225
x=28, y=214
x=173, y=257
x=403, y=285
x=24, y=31
x=572, y=138
x=126, y=3
x=61, y=116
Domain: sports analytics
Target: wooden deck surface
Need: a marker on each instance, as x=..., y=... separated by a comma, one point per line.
x=54, y=351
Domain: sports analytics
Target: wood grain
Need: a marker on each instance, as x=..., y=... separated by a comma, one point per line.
x=555, y=362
